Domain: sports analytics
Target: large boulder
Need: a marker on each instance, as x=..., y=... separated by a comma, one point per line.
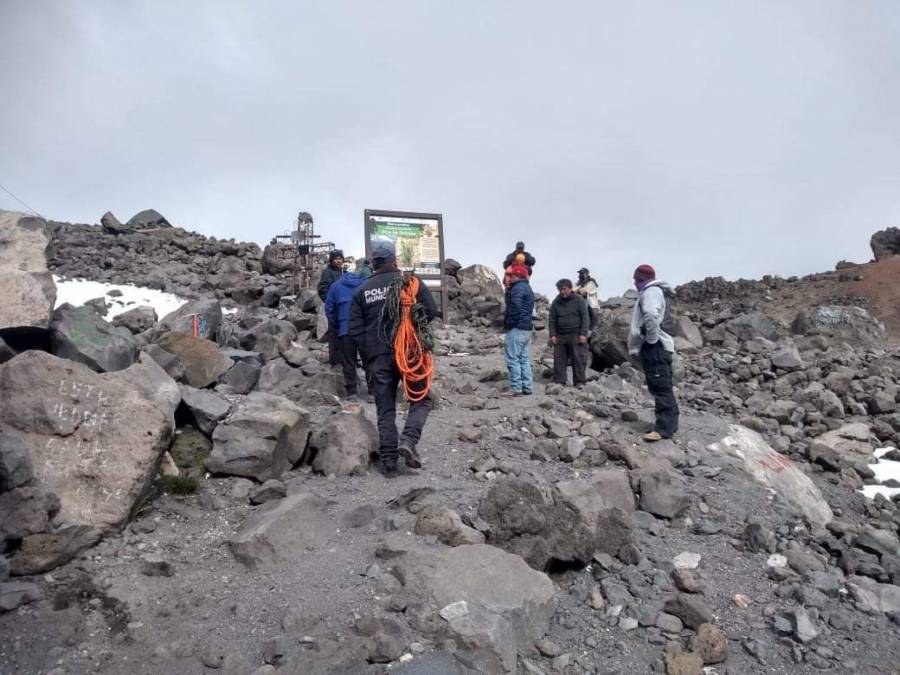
x=27, y=294
x=202, y=361
x=269, y=338
x=281, y=531
x=344, y=444
x=480, y=282
x=853, y=441
x=501, y=605
x=148, y=219
x=753, y=325
x=885, y=243
x=205, y=407
x=136, y=320
x=148, y=377
x=94, y=440
x=565, y=524
x=262, y=438
x=80, y=334
x=208, y=314
x=853, y=324
x=609, y=339
x=775, y=471
x=278, y=258
x=874, y=597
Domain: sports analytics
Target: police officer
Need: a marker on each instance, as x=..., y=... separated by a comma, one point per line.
x=371, y=328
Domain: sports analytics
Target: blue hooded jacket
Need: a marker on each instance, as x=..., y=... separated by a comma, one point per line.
x=519, y=306
x=337, y=302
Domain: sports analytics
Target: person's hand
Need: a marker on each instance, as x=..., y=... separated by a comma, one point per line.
x=582, y=339
x=553, y=339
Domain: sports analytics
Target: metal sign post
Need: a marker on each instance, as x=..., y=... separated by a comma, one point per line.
x=418, y=239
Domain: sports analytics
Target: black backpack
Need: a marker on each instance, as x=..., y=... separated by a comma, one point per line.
x=671, y=314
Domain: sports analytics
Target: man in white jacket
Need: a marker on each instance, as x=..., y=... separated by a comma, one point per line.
x=656, y=348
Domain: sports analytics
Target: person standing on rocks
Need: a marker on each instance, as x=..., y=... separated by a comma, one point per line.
x=518, y=324
x=372, y=329
x=337, y=309
x=527, y=260
x=648, y=340
x=587, y=289
x=569, y=329
x=330, y=274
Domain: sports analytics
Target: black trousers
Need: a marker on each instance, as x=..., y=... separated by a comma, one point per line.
x=384, y=378
x=566, y=351
x=347, y=352
x=657, y=363
x=334, y=348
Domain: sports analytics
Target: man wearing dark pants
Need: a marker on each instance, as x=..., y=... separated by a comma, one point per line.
x=569, y=329
x=370, y=328
x=330, y=275
x=648, y=339
x=337, y=309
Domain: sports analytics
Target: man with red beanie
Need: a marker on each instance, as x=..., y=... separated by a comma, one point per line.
x=518, y=324
x=648, y=339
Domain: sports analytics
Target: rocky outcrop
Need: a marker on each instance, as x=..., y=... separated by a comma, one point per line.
x=27, y=294
x=94, y=440
x=885, y=243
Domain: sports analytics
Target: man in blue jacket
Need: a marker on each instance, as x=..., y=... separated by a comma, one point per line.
x=337, y=309
x=518, y=324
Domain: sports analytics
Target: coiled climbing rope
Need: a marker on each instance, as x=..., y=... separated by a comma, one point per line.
x=411, y=337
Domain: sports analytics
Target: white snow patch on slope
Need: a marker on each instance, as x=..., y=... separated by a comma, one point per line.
x=78, y=291
x=884, y=470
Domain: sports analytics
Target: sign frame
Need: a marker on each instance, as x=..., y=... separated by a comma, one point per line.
x=438, y=289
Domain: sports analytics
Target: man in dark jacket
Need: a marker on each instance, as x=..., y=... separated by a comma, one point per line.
x=569, y=329
x=518, y=324
x=527, y=259
x=337, y=309
x=371, y=329
x=330, y=274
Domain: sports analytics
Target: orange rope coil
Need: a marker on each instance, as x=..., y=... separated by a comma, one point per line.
x=414, y=361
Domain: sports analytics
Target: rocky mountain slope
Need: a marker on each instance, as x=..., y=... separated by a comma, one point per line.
x=181, y=504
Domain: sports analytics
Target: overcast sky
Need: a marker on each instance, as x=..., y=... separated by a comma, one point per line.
x=714, y=138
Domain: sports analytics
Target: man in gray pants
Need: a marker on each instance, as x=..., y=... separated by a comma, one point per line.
x=569, y=329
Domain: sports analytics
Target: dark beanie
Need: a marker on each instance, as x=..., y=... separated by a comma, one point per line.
x=644, y=273
x=520, y=245
x=336, y=253
x=563, y=283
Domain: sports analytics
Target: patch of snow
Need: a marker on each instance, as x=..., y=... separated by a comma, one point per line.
x=78, y=291
x=884, y=470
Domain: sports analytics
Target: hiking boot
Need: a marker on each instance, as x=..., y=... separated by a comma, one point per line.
x=387, y=468
x=409, y=454
x=527, y=392
x=652, y=437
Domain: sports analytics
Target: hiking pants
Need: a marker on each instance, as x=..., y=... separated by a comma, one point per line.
x=657, y=363
x=347, y=350
x=384, y=377
x=566, y=351
x=518, y=359
x=334, y=348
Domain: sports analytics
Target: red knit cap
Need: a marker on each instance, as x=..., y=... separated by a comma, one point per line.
x=518, y=270
x=644, y=273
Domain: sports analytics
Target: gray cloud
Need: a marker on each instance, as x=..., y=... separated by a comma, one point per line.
x=719, y=138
